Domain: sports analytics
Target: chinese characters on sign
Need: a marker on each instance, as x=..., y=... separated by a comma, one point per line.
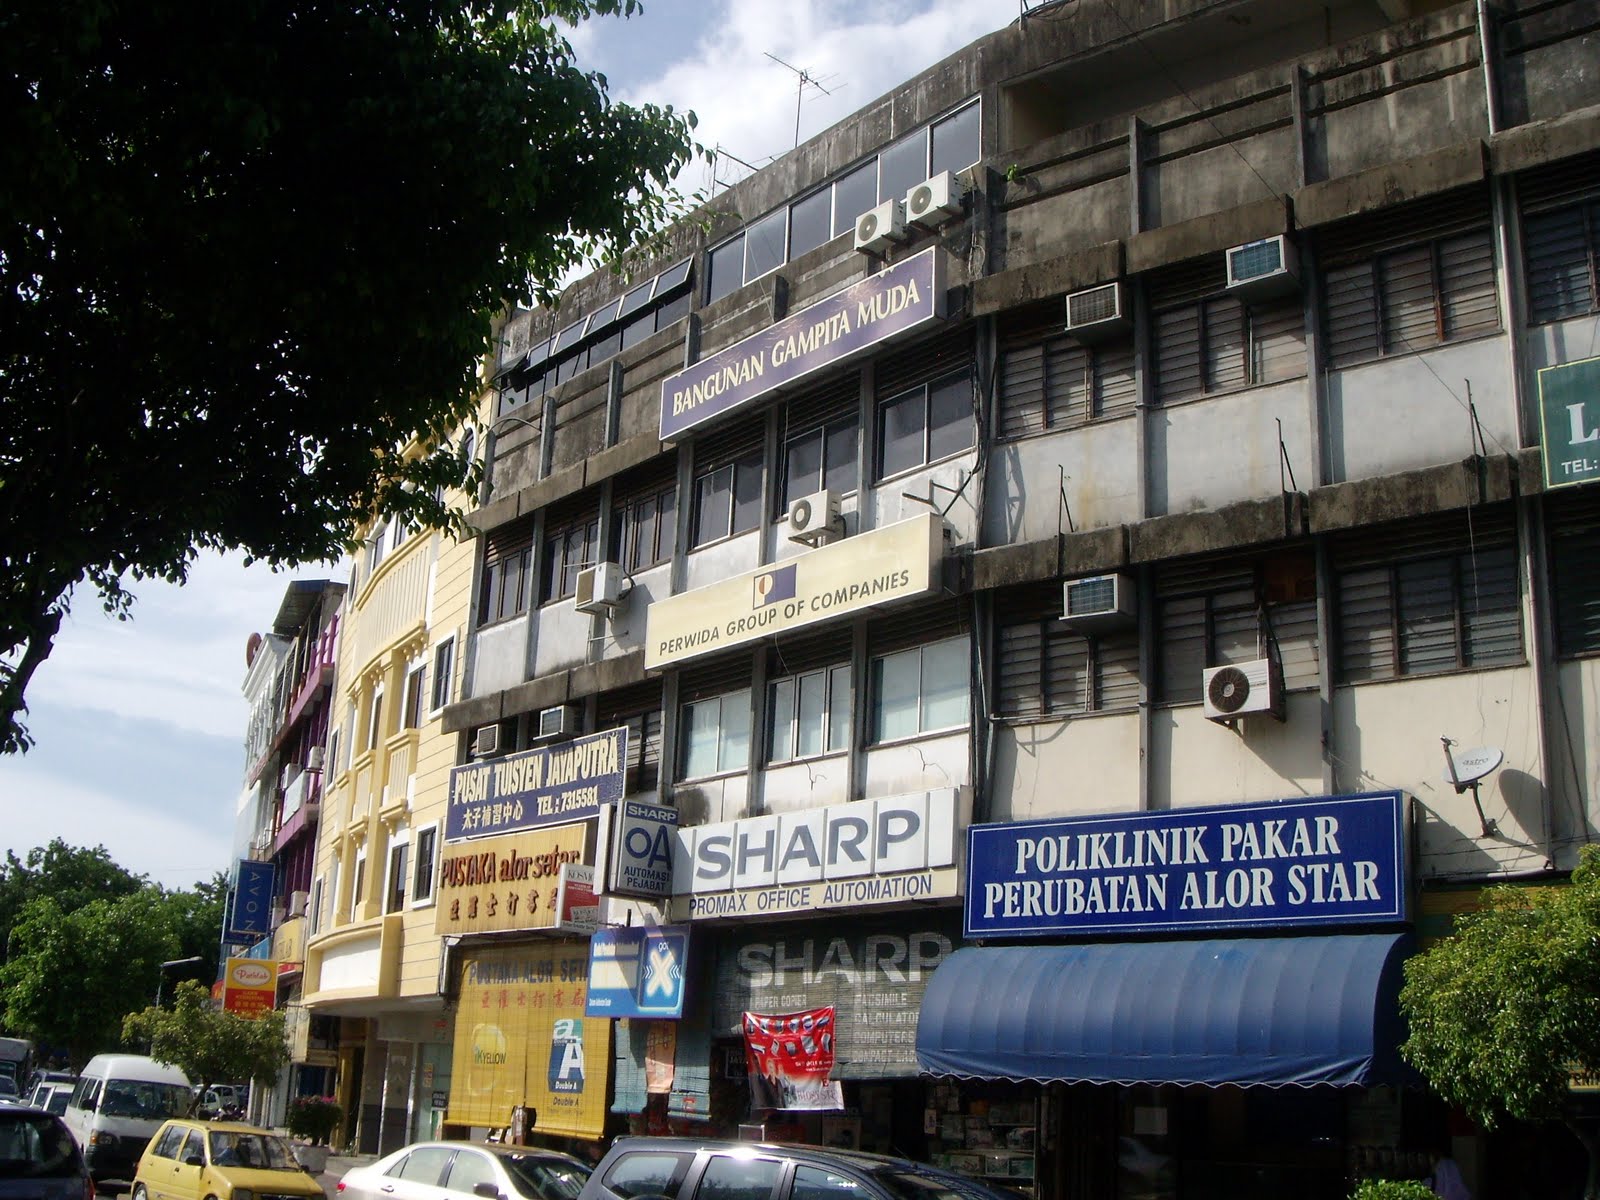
x=250, y=987
x=547, y=786
x=506, y=882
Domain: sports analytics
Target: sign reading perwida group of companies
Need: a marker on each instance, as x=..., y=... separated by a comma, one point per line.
x=1331, y=860
x=887, y=305
x=1569, y=418
x=883, y=566
x=547, y=786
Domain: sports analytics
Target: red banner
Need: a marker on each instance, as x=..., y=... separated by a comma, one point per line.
x=789, y=1058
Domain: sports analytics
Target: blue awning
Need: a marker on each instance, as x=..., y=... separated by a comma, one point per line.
x=1253, y=1011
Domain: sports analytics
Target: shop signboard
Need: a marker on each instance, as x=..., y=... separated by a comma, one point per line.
x=872, y=970
x=547, y=786
x=635, y=849
x=505, y=883
x=1328, y=860
x=866, y=852
x=577, y=909
x=638, y=972
x=1569, y=420
x=250, y=987
x=250, y=913
x=882, y=566
x=522, y=1039
x=894, y=302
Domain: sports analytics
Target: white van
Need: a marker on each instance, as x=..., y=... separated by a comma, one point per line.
x=119, y=1102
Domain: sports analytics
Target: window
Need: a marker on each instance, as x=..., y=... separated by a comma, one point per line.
x=902, y=166
x=375, y=719
x=395, y=883
x=1050, y=381
x=424, y=1165
x=1206, y=340
x=639, y=708
x=358, y=883
x=333, y=755
x=416, y=694
x=444, y=666
x=1045, y=668
x=422, y=872
x=725, y=270
x=644, y=525
x=715, y=734
x=765, y=243
x=809, y=714
x=810, y=222
x=507, y=562
x=813, y=1183
x=646, y=1173
x=824, y=457
x=469, y=1169
x=1560, y=249
x=166, y=1146
x=728, y=1178
x=569, y=547
x=925, y=424
x=727, y=484
x=316, y=906
x=920, y=690
x=853, y=195
x=332, y=894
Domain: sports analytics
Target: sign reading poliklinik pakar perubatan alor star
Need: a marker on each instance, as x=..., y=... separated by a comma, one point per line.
x=565, y=782
x=1328, y=860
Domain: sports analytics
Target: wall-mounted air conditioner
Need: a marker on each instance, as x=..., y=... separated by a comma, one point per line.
x=314, y=759
x=935, y=201
x=879, y=228
x=814, y=520
x=486, y=742
x=1098, y=602
x=1099, y=312
x=1269, y=267
x=600, y=589
x=558, y=722
x=297, y=904
x=1242, y=689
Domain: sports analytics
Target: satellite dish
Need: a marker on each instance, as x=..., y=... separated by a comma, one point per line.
x=1473, y=765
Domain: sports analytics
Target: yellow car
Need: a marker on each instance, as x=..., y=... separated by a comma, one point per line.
x=217, y=1160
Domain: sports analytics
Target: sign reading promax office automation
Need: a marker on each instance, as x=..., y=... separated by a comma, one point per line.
x=547, y=786
x=897, y=562
x=1330, y=860
x=887, y=305
x=1569, y=419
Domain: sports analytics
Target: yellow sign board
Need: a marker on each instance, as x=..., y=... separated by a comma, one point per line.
x=522, y=1039
x=501, y=883
x=250, y=987
x=882, y=566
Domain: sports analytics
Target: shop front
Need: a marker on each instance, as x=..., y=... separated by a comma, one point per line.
x=1191, y=1002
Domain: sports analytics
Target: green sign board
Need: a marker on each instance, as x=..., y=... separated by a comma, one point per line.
x=1569, y=422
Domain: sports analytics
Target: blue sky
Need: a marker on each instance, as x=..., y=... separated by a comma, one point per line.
x=140, y=724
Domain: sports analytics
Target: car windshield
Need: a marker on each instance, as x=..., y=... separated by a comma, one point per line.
x=150, y=1101
x=35, y=1146
x=259, y=1150
x=545, y=1178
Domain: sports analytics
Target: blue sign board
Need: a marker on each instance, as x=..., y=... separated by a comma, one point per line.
x=548, y=786
x=636, y=849
x=637, y=972
x=250, y=914
x=887, y=305
x=1330, y=860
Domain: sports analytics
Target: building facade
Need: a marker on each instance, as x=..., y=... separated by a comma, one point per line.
x=1147, y=447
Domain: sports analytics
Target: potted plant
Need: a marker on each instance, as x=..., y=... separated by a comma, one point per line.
x=311, y=1121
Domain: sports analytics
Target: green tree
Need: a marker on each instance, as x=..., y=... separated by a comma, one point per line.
x=250, y=252
x=72, y=976
x=1503, y=1013
x=72, y=876
x=195, y=918
x=207, y=1044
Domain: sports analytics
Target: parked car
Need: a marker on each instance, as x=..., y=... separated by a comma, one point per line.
x=38, y=1158
x=52, y=1097
x=9, y=1089
x=222, y=1101
x=40, y=1079
x=692, y=1169
x=466, y=1169
x=190, y=1159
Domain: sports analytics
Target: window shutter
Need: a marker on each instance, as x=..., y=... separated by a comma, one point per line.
x=1116, y=391
x=726, y=445
x=1018, y=672
x=837, y=399
x=1560, y=183
x=919, y=625
x=1363, y=237
x=507, y=541
x=1068, y=382
x=1181, y=628
x=924, y=362
x=1022, y=374
x=1366, y=626
x=794, y=654
x=1559, y=247
x=651, y=479
x=1491, y=607
x=1405, y=292
x=639, y=708
x=1224, y=344
x=1467, y=285
x=1278, y=340
x=726, y=674
x=1426, y=603
x=1351, y=314
x=1177, y=337
x=1572, y=516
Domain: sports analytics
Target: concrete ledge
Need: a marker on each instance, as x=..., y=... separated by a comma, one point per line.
x=1411, y=493
x=605, y=675
x=1040, y=281
x=1207, y=234
x=1389, y=184
x=1565, y=136
x=1091, y=550
x=1247, y=523
x=494, y=514
x=615, y=459
x=469, y=714
x=1023, y=562
x=545, y=692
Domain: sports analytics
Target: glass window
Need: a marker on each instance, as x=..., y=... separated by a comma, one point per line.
x=902, y=166
x=950, y=428
x=422, y=873
x=395, y=900
x=672, y=277
x=425, y=1164
x=764, y=245
x=194, y=1145
x=166, y=1146
x=729, y=1178
x=544, y=1177
x=809, y=714
x=900, y=433
x=416, y=691
x=604, y=315
x=716, y=735
x=674, y=310
x=956, y=142
x=648, y=1173
x=813, y=1183
x=469, y=1170
x=254, y=1150
x=919, y=690
x=567, y=338
x=375, y=719
x=639, y=328
x=925, y=424
x=725, y=270
x=853, y=195
x=810, y=222
x=728, y=499
x=634, y=300
x=820, y=458
x=444, y=666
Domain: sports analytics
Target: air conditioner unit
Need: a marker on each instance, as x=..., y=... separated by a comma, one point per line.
x=297, y=904
x=314, y=759
x=276, y=917
x=1269, y=267
x=600, y=589
x=557, y=722
x=1249, y=687
x=936, y=200
x=1098, y=602
x=1098, y=312
x=486, y=742
x=814, y=519
x=878, y=228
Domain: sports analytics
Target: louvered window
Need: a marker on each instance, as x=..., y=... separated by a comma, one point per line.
x=1051, y=381
x=507, y=564
x=644, y=523
x=1561, y=232
x=1410, y=277
x=1208, y=341
x=1429, y=596
x=571, y=543
x=639, y=708
x=1043, y=668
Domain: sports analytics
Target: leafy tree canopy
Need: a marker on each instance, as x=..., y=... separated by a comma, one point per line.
x=251, y=252
x=72, y=876
x=1503, y=1013
x=207, y=1044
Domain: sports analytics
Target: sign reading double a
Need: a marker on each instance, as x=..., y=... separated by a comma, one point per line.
x=897, y=562
x=843, y=326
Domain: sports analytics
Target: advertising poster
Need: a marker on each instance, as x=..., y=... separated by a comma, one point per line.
x=660, y=1053
x=250, y=987
x=789, y=1057
x=522, y=1039
x=637, y=971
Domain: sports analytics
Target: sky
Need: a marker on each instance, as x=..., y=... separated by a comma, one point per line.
x=139, y=725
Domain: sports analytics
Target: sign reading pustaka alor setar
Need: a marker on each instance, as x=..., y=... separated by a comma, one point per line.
x=1326, y=860
x=881, y=307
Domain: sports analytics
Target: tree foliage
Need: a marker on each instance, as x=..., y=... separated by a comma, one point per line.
x=207, y=1044
x=72, y=876
x=1503, y=1013
x=251, y=252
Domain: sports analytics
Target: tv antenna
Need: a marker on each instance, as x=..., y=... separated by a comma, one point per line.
x=806, y=79
x=1466, y=772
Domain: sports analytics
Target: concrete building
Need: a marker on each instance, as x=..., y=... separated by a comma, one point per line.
x=1117, y=453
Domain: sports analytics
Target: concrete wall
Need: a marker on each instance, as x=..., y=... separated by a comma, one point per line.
x=1100, y=462
x=1056, y=768
x=1211, y=452
x=916, y=766
x=500, y=655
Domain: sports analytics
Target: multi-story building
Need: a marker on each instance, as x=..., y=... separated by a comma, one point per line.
x=1123, y=441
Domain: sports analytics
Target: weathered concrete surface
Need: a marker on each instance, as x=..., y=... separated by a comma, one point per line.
x=1392, y=183
x=1247, y=523
x=1411, y=493
x=1208, y=234
x=1040, y=281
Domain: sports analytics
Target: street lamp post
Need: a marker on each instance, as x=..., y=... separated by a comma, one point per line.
x=172, y=962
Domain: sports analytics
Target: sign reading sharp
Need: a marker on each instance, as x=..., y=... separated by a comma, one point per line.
x=887, y=305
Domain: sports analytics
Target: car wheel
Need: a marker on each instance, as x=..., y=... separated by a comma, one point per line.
x=139, y=1193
